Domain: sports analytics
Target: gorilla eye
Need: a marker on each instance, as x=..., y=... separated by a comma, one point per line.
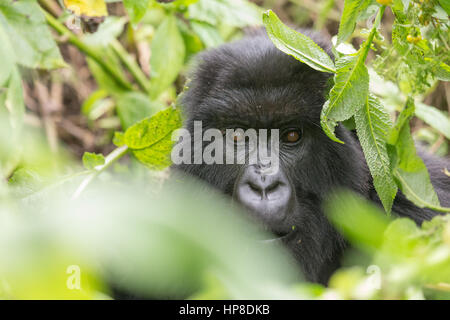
x=291, y=136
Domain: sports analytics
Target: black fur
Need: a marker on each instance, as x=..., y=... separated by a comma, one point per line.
x=251, y=84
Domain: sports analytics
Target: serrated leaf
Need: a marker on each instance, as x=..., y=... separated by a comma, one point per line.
x=296, y=44
x=372, y=126
x=29, y=35
x=167, y=57
x=352, y=10
x=89, y=8
x=151, y=130
x=349, y=93
x=92, y=160
x=136, y=9
x=151, y=139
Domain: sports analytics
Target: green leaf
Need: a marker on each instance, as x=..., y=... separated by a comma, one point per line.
x=167, y=57
x=133, y=107
x=296, y=44
x=151, y=130
x=348, y=95
x=119, y=139
x=410, y=172
x=352, y=10
x=92, y=160
x=104, y=80
x=443, y=72
x=372, y=126
x=29, y=35
x=445, y=4
x=358, y=219
x=434, y=118
x=151, y=139
x=136, y=9
x=209, y=34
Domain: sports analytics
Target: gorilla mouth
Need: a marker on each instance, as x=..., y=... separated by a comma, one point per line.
x=281, y=236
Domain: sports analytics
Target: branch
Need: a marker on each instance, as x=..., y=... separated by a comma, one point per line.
x=109, y=160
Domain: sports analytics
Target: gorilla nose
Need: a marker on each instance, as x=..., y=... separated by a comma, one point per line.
x=265, y=195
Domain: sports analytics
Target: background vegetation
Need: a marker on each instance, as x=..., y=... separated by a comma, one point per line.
x=88, y=93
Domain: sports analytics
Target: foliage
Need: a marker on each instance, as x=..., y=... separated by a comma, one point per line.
x=96, y=214
x=349, y=96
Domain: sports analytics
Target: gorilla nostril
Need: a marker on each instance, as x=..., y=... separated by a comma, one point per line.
x=273, y=186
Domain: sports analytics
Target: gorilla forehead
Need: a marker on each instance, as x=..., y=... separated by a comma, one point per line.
x=252, y=80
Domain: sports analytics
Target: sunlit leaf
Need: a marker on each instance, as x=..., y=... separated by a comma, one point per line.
x=29, y=35
x=136, y=9
x=352, y=9
x=92, y=160
x=348, y=95
x=372, y=126
x=296, y=44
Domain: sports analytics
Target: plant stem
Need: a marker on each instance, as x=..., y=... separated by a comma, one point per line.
x=369, y=40
x=91, y=52
x=109, y=160
x=131, y=64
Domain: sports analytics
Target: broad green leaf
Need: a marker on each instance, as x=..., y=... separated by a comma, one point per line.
x=408, y=168
x=92, y=160
x=89, y=8
x=372, y=126
x=156, y=156
x=445, y=4
x=133, y=107
x=167, y=57
x=352, y=10
x=29, y=35
x=237, y=13
x=348, y=95
x=209, y=34
x=136, y=9
x=296, y=44
x=151, y=139
x=434, y=118
x=151, y=130
x=358, y=220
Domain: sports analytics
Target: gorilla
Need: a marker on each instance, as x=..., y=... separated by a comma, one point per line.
x=251, y=84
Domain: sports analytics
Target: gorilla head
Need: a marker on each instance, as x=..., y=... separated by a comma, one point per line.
x=251, y=84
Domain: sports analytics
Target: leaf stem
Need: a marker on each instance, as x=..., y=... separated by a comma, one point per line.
x=131, y=64
x=109, y=160
x=91, y=52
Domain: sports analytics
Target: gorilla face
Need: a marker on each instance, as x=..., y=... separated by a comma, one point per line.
x=250, y=84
